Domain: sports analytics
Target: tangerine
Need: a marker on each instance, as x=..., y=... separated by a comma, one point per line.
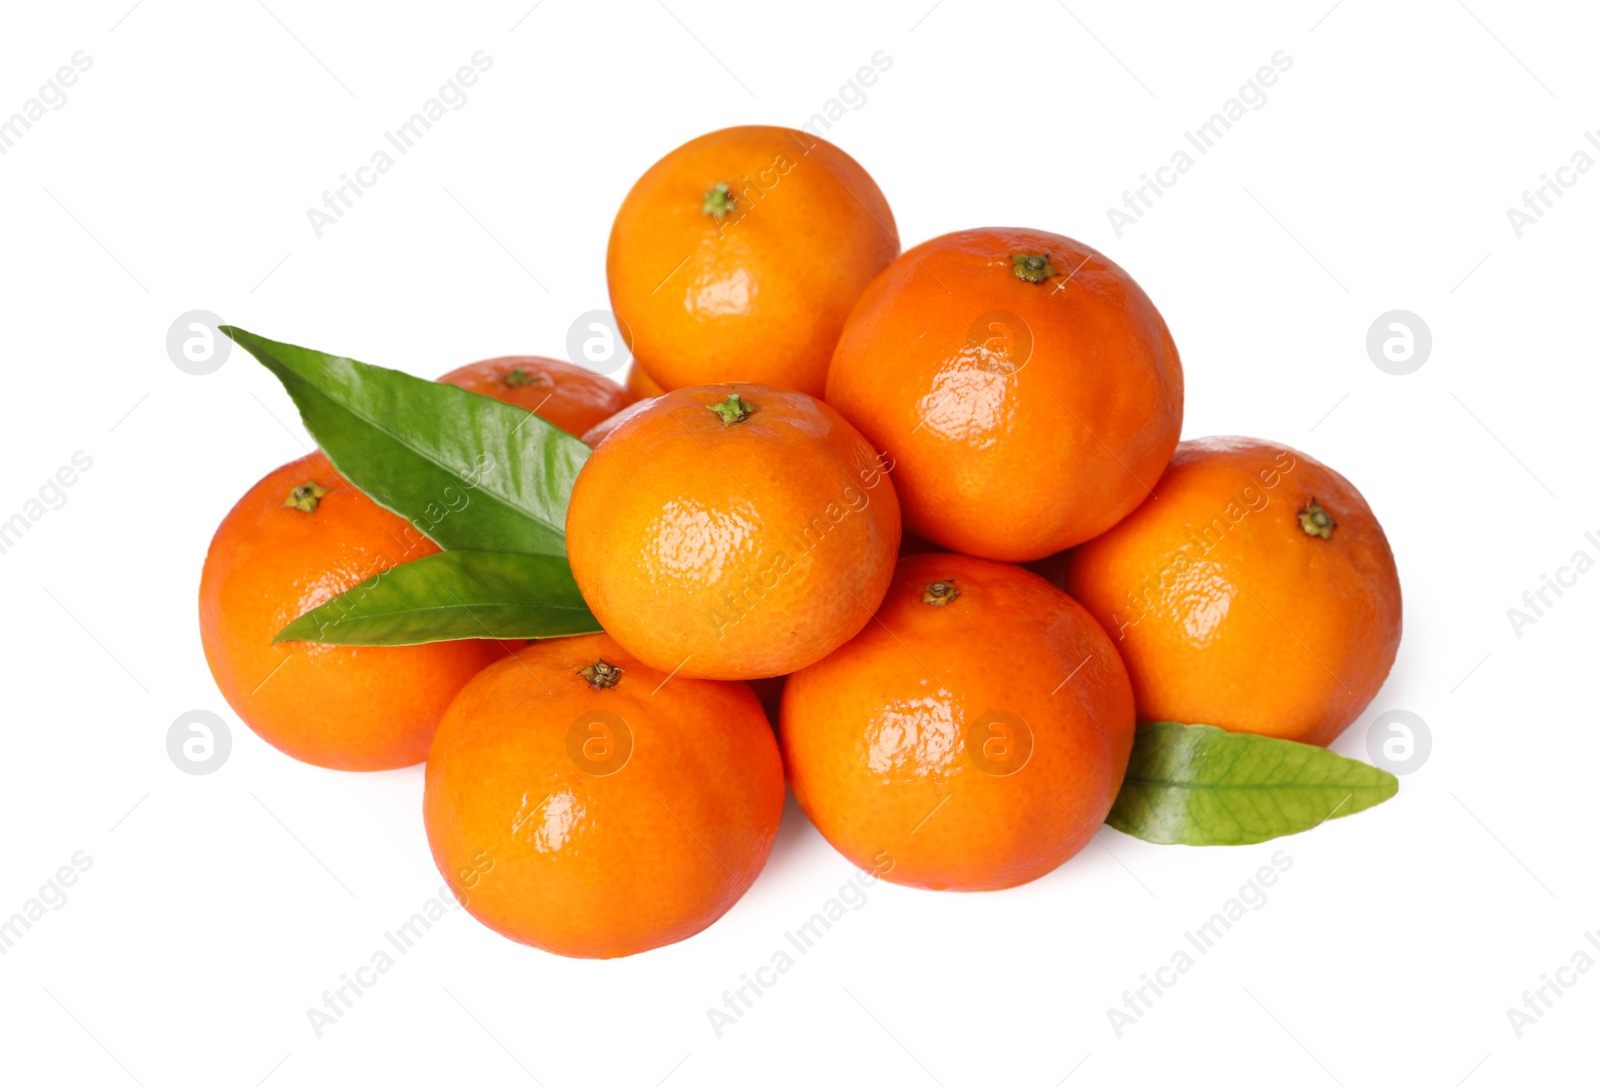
x=562, y=394
x=298, y=538
x=738, y=255
x=1255, y=591
x=733, y=531
x=1027, y=389
x=601, y=430
x=640, y=385
x=582, y=802
x=972, y=737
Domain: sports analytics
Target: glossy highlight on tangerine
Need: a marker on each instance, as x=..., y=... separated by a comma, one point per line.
x=582, y=802
x=1026, y=387
x=974, y=735
x=1255, y=591
x=739, y=254
x=733, y=531
x=298, y=538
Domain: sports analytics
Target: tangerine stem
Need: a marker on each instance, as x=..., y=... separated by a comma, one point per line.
x=601, y=675
x=1034, y=269
x=718, y=201
x=305, y=497
x=733, y=410
x=1316, y=522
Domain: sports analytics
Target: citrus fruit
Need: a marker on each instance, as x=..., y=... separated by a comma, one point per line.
x=560, y=393
x=971, y=738
x=640, y=385
x=738, y=255
x=732, y=531
x=1025, y=386
x=1256, y=591
x=598, y=433
x=297, y=539
x=587, y=804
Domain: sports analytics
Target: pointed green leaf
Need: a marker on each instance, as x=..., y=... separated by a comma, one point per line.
x=1200, y=785
x=468, y=471
x=451, y=595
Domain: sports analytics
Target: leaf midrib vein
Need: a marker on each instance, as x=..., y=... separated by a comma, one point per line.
x=381, y=616
x=503, y=499
x=1249, y=785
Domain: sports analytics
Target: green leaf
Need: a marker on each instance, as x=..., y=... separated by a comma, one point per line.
x=468, y=471
x=451, y=595
x=1200, y=785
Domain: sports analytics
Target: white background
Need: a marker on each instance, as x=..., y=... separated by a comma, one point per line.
x=1377, y=176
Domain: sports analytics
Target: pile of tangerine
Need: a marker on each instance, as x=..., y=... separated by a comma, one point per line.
x=929, y=507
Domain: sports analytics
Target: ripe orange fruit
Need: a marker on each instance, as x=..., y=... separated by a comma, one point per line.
x=733, y=532
x=582, y=802
x=560, y=393
x=971, y=738
x=640, y=385
x=1256, y=591
x=601, y=430
x=297, y=539
x=1025, y=386
x=738, y=255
